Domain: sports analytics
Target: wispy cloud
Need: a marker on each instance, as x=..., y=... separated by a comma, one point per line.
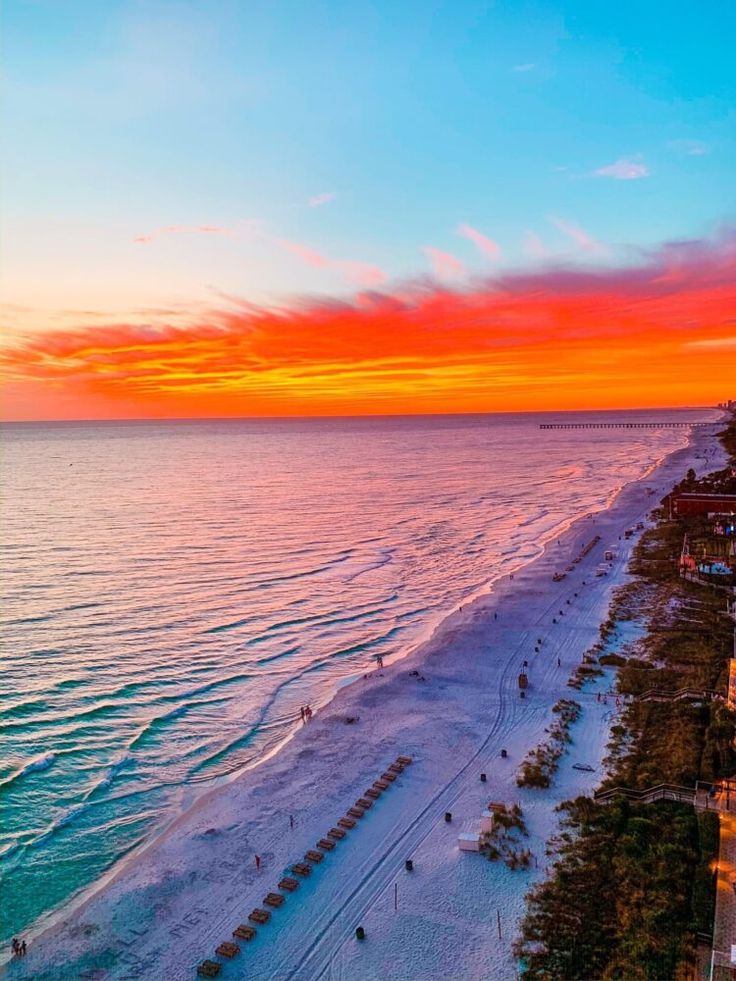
x=444, y=264
x=578, y=235
x=534, y=246
x=319, y=199
x=485, y=245
x=624, y=169
x=528, y=66
x=715, y=344
x=691, y=148
x=184, y=230
x=360, y=273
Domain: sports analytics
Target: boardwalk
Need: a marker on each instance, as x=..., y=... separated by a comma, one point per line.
x=724, y=924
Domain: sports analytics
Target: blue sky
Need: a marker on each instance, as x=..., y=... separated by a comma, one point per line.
x=558, y=129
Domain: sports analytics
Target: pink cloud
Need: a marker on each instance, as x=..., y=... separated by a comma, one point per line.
x=487, y=246
x=362, y=273
x=578, y=235
x=184, y=230
x=444, y=264
x=534, y=246
x=624, y=170
x=319, y=199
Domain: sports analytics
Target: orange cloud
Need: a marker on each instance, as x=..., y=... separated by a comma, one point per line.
x=657, y=333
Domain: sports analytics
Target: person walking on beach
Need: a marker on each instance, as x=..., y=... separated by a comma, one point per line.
x=302, y=713
x=379, y=659
x=559, y=663
x=308, y=713
x=16, y=947
x=258, y=863
x=291, y=821
x=22, y=948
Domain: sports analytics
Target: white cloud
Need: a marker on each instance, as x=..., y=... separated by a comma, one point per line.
x=624, y=169
x=319, y=199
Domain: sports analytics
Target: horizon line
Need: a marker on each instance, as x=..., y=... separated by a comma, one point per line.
x=359, y=415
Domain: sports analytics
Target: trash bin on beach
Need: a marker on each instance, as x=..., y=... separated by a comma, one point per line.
x=523, y=681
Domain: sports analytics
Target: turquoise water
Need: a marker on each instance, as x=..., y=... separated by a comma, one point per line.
x=174, y=592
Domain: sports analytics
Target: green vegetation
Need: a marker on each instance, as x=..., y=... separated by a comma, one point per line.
x=503, y=842
x=541, y=763
x=633, y=884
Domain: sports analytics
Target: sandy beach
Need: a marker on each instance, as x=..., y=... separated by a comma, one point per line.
x=452, y=705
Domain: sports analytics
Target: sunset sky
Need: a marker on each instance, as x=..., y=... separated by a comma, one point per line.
x=290, y=207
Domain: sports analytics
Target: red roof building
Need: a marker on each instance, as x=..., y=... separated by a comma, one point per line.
x=703, y=504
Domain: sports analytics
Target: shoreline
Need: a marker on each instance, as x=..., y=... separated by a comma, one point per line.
x=236, y=794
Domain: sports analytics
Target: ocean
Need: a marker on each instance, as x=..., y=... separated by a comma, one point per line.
x=174, y=592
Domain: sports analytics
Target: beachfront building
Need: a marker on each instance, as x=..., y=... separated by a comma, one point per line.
x=709, y=504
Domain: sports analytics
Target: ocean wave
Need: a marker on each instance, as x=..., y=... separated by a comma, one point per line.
x=61, y=822
x=41, y=763
x=155, y=723
x=101, y=708
x=107, y=780
x=10, y=850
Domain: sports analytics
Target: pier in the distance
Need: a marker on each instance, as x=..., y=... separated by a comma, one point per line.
x=620, y=425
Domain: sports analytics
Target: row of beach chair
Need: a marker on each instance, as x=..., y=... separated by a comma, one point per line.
x=302, y=869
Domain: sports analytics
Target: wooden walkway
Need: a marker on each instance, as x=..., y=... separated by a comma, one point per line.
x=621, y=425
x=695, y=695
x=719, y=797
x=663, y=791
x=724, y=923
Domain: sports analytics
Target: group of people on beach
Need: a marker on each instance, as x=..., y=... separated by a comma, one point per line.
x=19, y=947
x=306, y=713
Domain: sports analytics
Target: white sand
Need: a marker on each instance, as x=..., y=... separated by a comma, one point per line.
x=169, y=907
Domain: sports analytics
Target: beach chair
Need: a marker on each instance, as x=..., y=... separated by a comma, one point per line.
x=404, y=760
x=325, y=844
x=372, y=793
x=302, y=869
x=389, y=776
x=289, y=884
x=337, y=834
x=347, y=822
x=396, y=768
x=356, y=812
x=274, y=899
x=259, y=916
x=314, y=857
x=364, y=803
x=209, y=969
x=381, y=784
x=244, y=932
x=227, y=949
